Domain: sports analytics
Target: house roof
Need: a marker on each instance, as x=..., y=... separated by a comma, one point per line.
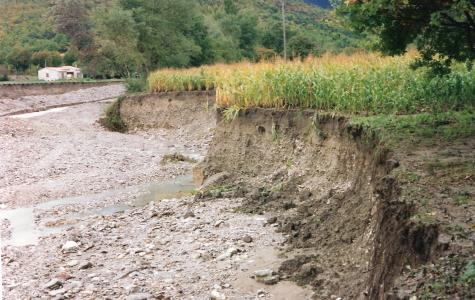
x=63, y=69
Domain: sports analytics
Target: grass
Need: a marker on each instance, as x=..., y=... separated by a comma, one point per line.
x=361, y=83
x=416, y=129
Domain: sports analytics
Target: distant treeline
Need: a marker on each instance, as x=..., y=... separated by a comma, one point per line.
x=124, y=38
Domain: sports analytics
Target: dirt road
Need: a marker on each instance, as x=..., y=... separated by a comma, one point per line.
x=91, y=214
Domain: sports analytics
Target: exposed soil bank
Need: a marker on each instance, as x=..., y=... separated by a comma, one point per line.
x=17, y=90
x=329, y=187
x=192, y=113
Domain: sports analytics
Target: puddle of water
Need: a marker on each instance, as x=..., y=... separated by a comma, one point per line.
x=267, y=258
x=25, y=232
x=176, y=188
x=39, y=113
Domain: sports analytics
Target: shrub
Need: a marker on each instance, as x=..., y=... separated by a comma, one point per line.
x=113, y=120
x=136, y=85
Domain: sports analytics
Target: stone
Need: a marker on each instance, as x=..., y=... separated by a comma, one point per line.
x=228, y=253
x=53, y=284
x=70, y=246
x=139, y=296
x=72, y=263
x=247, y=239
x=214, y=180
x=263, y=273
x=272, y=220
x=55, y=293
x=268, y=280
x=189, y=214
x=215, y=295
x=86, y=265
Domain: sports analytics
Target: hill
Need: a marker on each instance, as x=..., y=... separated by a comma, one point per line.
x=218, y=30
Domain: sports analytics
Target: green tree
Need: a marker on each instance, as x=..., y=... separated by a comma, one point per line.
x=117, y=40
x=47, y=59
x=302, y=45
x=442, y=30
x=71, y=56
x=72, y=19
x=19, y=58
x=230, y=7
x=167, y=31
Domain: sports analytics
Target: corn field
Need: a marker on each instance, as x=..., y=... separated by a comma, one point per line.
x=360, y=83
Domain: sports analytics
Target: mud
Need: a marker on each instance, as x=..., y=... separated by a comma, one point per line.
x=330, y=191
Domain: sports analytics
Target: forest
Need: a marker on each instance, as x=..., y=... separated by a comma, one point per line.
x=127, y=38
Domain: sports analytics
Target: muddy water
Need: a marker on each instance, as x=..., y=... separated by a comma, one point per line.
x=24, y=231
x=267, y=258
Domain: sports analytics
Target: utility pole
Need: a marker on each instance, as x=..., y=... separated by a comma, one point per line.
x=284, y=30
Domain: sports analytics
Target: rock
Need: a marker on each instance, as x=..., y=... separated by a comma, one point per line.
x=444, y=241
x=55, y=293
x=228, y=253
x=272, y=220
x=214, y=180
x=247, y=239
x=70, y=246
x=53, y=284
x=86, y=265
x=139, y=296
x=215, y=295
x=189, y=214
x=268, y=280
x=263, y=273
x=72, y=263
x=218, y=223
x=392, y=164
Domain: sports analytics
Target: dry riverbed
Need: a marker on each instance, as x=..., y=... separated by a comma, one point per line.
x=91, y=214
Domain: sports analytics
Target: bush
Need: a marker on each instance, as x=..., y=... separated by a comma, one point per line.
x=113, y=120
x=136, y=85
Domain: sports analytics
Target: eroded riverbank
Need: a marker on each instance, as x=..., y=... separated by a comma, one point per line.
x=138, y=232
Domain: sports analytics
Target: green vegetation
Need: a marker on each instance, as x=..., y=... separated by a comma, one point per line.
x=427, y=128
x=443, y=31
x=136, y=85
x=359, y=84
x=113, y=120
x=126, y=38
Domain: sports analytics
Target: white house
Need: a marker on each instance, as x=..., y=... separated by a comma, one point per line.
x=59, y=73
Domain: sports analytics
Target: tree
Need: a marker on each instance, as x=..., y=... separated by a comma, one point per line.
x=302, y=45
x=442, y=30
x=19, y=58
x=71, y=56
x=167, y=31
x=72, y=19
x=230, y=7
x=47, y=59
x=117, y=40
